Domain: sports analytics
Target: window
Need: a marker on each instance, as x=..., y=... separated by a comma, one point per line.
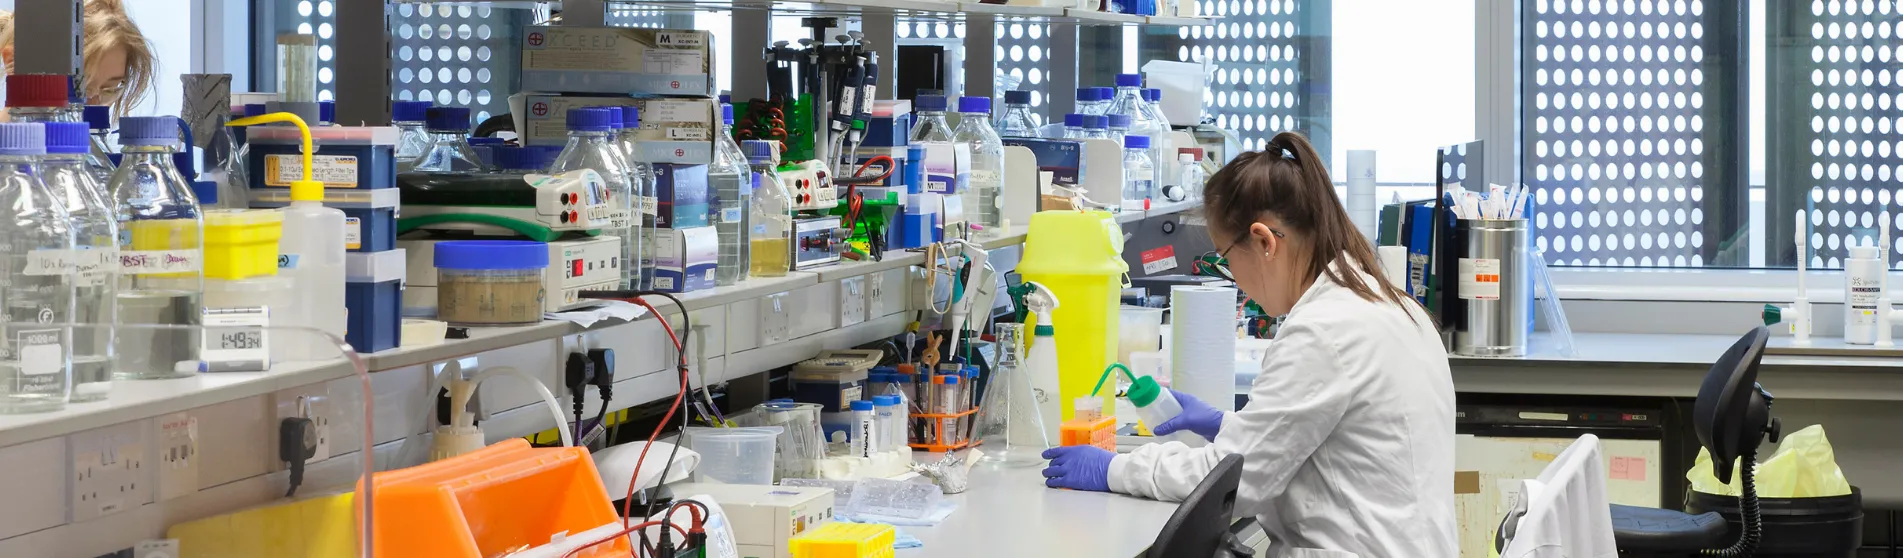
x=1268, y=66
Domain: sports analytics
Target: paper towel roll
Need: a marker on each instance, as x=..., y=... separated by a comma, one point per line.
x=1203, y=343
x=1361, y=206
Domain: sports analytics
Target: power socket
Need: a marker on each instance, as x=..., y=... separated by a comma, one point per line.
x=852, y=301
x=875, y=295
x=308, y=401
x=178, y=455
x=109, y=470
x=775, y=321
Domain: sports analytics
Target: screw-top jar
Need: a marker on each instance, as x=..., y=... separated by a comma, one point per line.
x=490, y=282
x=95, y=241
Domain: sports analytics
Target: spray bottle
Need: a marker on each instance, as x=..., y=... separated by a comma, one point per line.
x=311, y=253
x=1799, y=312
x=1041, y=365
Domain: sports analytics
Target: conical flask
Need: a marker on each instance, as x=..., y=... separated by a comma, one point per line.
x=1010, y=427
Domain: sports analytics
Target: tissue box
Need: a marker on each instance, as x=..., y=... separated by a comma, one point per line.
x=684, y=259
x=672, y=130
x=618, y=60
x=681, y=196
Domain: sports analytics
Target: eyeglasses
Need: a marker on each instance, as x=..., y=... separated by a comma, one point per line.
x=1216, y=264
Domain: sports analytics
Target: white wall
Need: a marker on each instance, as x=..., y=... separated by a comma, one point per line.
x=160, y=20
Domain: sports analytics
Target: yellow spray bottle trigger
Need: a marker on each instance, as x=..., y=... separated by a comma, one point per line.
x=304, y=189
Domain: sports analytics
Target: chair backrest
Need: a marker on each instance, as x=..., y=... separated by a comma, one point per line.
x=1201, y=522
x=1732, y=412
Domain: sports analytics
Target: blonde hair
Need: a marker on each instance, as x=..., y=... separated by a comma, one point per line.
x=107, y=27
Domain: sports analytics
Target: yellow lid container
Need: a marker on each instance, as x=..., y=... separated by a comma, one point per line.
x=1078, y=255
x=1073, y=243
x=242, y=243
x=836, y=539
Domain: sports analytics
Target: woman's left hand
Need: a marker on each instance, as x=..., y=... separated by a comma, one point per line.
x=1078, y=468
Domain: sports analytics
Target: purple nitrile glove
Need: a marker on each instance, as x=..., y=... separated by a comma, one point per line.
x=1078, y=468
x=1197, y=417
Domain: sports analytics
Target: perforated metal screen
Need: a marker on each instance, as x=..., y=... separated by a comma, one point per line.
x=1023, y=59
x=1623, y=102
x=1268, y=74
x=455, y=54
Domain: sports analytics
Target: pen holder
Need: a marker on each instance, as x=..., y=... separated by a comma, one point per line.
x=942, y=432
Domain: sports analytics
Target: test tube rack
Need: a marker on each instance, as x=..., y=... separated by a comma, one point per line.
x=931, y=436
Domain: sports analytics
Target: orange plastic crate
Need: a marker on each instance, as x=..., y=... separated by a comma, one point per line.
x=484, y=503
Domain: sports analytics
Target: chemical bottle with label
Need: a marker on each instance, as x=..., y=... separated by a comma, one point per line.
x=770, y=230
x=99, y=154
x=626, y=122
x=413, y=139
x=311, y=254
x=449, y=149
x=1863, y=288
x=987, y=163
x=1139, y=173
x=1190, y=180
x=161, y=251
x=35, y=359
x=95, y=240
x=732, y=183
x=591, y=146
x=1018, y=121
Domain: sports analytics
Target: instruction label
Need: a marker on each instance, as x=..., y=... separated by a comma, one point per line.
x=673, y=62
x=1158, y=260
x=353, y=233
x=1480, y=278
x=335, y=171
x=687, y=134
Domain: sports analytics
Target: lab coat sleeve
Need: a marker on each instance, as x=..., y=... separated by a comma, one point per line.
x=1294, y=405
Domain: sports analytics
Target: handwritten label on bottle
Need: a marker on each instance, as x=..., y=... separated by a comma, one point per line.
x=158, y=261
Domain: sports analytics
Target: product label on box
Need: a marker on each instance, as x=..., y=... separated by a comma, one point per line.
x=673, y=62
x=663, y=110
x=730, y=214
x=1158, y=260
x=335, y=171
x=663, y=283
x=158, y=261
x=1480, y=278
x=678, y=40
x=353, y=233
x=687, y=134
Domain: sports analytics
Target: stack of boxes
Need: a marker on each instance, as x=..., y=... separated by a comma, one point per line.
x=358, y=168
x=667, y=75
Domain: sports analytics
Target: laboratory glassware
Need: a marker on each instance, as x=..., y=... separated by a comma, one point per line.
x=95, y=240
x=987, y=162
x=931, y=125
x=1018, y=121
x=161, y=250
x=1139, y=173
x=449, y=149
x=771, y=229
x=591, y=146
x=99, y=153
x=645, y=207
x=732, y=183
x=38, y=98
x=35, y=356
x=413, y=138
x=1010, y=426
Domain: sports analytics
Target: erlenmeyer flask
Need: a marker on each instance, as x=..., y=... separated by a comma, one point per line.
x=1010, y=427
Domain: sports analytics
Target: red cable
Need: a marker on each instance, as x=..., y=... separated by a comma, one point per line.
x=627, y=505
x=624, y=532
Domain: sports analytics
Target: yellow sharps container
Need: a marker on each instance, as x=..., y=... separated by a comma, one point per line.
x=1078, y=255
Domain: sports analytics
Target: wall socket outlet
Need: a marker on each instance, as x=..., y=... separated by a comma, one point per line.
x=177, y=455
x=875, y=295
x=775, y=322
x=310, y=401
x=110, y=469
x=852, y=301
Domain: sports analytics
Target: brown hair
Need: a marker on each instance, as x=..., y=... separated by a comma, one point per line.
x=108, y=27
x=1289, y=180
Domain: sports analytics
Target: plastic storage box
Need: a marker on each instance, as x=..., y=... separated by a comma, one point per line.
x=844, y=540
x=242, y=243
x=373, y=293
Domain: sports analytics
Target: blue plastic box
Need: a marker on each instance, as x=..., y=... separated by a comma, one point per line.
x=347, y=158
x=373, y=293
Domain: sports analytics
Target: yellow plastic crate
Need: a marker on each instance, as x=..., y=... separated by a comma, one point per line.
x=836, y=539
x=241, y=244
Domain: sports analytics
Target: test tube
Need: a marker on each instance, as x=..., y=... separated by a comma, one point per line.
x=950, y=401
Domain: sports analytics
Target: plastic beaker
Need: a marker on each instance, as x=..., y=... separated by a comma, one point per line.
x=734, y=455
x=1139, y=330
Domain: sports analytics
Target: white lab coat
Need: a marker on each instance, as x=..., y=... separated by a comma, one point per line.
x=1348, y=437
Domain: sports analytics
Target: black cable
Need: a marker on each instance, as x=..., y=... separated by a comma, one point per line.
x=1747, y=542
x=683, y=333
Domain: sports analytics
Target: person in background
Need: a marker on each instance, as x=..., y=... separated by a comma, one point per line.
x=119, y=63
x=1348, y=436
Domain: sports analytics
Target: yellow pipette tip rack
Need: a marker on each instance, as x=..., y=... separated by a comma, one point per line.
x=844, y=540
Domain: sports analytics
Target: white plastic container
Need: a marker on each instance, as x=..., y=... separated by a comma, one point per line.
x=1863, y=287
x=734, y=455
x=1139, y=330
x=887, y=414
x=312, y=255
x=1156, y=405
x=865, y=429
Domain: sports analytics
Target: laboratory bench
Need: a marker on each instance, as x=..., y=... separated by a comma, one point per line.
x=1010, y=508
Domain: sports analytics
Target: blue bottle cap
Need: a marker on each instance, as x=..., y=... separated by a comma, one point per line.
x=1136, y=142
x=1074, y=120
x=98, y=117
x=255, y=109
x=448, y=119
x=409, y=111
x=1017, y=97
x=327, y=111
x=885, y=400
x=1153, y=95
x=1096, y=122
x=66, y=137
x=491, y=254
x=759, y=152
x=1086, y=94
x=148, y=130
x=976, y=105
x=22, y=138
x=630, y=117
x=515, y=158
x=590, y=119
x=1106, y=93
x=1120, y=121
x=726, y=99
x=861, y=405
x=950, y=380
x=1129, y=80
x=929, y=103
x=485, y=140
x=726, y=114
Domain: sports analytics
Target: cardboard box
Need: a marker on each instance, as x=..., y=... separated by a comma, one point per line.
x=682, y=196
x=618, y=60
x=672, y=130
x=684, y=259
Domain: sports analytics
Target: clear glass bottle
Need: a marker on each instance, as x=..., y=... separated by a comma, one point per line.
x=99, y=153
x=1074, y=126
x=987, y=163
x=771, y=231
x=732, y=183
x=449, y=149
x=226, y=167
x=1018, y=120
x=591, y=146
x=96, y=234
x=1090, y=100
x=1119, y=127
x=1191, y=178
x=1153, y=100
x=1129, y=102
x=1096, y=126
x=931, y=125
x=641, y=180
x=413, y=139
x=35, y=356
x=161, y=251
x=38, y=98
x=1139, y=173
x=519, y=160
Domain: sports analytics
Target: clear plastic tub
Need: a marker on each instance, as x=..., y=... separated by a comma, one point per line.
x=734, y=455
x=490, y=282
x=1139, y=330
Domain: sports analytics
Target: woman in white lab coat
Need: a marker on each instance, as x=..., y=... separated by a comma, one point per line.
x=1348, y=436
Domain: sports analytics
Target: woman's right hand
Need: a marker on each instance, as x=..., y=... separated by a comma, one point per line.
x=1197, y=417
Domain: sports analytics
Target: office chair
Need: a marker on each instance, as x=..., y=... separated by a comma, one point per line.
x=1200, y=526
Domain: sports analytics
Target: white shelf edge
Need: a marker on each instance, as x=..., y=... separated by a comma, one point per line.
x=133, y=400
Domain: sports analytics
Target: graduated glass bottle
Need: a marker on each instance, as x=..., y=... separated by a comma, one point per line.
x=161, y=254
x=732, y=182
x=987, y=162
x=771, y=231
x=641, y=181
x=1139, y=173
x=413, y=138
x=449, y=149
x=95, y=234
x=591, y=146
x=99, y=152
x=35, y=355
x=931, y=125
x=1018, y=121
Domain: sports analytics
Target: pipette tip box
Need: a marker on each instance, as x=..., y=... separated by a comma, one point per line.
x=373, y=294
x=347, y=157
